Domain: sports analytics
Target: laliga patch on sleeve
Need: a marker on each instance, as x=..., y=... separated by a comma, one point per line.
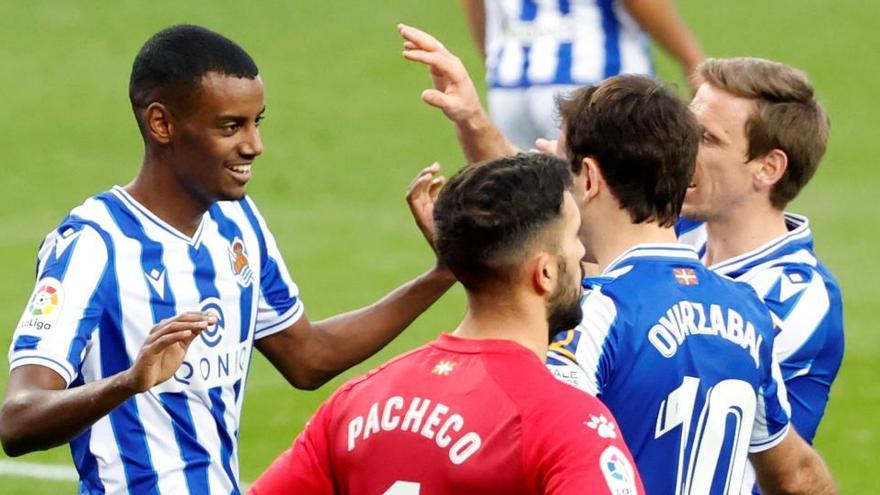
x=44, y=306
x=619, y=473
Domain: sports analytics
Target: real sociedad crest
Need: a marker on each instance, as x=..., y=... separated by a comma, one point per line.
x=241, y=266
x=213, y=334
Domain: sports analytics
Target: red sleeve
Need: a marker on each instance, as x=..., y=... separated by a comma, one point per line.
x=573, y=446
x=305, y=467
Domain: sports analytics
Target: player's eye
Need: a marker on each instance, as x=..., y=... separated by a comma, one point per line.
x=230, y=127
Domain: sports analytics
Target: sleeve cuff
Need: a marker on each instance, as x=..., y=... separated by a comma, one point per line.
x=284, y=320
x=769, y=442
x=63, y=369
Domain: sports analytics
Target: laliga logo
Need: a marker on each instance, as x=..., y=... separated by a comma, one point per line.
x=213, y=334
x=45, y=299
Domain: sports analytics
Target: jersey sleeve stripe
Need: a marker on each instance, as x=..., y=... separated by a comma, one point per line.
x=63, y=369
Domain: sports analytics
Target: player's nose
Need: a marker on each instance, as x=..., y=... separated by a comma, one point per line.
x=252, y=146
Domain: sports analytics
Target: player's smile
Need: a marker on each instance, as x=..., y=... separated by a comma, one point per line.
x=241, y=172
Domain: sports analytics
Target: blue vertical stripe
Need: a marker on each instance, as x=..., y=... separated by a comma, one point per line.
x=564, y=7
x=274, y=288
x=128, y=430
x=563, y=66
x=529, y=10
x=86, y=464
x=524, y=79
x=611, y=29
x=229, y=230
x=195, y=456
x=218, y=409
x=162, y=305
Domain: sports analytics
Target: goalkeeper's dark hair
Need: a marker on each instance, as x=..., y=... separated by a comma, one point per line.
x=171, y=64
x=489, y=217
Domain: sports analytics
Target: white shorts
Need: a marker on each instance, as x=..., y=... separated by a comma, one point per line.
x=526, y=114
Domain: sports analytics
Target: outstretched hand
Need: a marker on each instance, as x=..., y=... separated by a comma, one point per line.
x=454, y=92
x=421, y=197
x=165, y=348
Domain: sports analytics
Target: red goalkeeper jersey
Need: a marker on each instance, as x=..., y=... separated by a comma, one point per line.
x=457, y=416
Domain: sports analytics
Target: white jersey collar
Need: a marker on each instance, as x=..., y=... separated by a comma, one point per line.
x=798, y=231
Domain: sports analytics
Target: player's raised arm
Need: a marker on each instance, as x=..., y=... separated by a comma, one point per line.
x=454, y=93
x=40, y=412
x=660, y=19
x=792, y=467
x=309, y=354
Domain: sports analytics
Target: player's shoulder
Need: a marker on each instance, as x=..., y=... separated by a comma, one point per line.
x=395, y=364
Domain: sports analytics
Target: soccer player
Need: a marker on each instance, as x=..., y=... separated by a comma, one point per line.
x=136, y=344
x=535, y=50
x=476, y=412
x=764, y=134
x=681, y=355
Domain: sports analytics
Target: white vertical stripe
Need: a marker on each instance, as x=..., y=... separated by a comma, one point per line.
x=162, y=443
x=103, y=446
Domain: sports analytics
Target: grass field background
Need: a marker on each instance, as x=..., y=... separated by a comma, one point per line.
x=345, y=132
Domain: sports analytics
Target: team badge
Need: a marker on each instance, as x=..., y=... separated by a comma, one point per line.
x=443, y=368
x=618, y=472
x=241, y=266
x=213, y=334
x=44, y=307
x=605, y=428
x=685, y=276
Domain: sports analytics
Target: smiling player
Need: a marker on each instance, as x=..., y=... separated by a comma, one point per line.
x=137, y=343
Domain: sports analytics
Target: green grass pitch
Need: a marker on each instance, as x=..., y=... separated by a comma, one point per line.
x=345, y=133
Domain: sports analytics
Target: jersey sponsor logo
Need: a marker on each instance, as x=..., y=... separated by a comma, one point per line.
x=44, y=306
x=688, y=318
x=416, y=415
x=605, y=428
x=443, y=368
x=238, y=260
x=619, y=474
x=213, y=334
x=685, y=276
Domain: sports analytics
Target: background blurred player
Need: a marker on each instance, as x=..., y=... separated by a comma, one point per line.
x=149, y=299
x=537, y=49
x=764, y=134
x=476, y=412
x=661, y=333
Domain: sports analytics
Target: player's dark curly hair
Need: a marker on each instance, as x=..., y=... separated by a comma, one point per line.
x=644, y=138
x=170, y=65
x=487, y=216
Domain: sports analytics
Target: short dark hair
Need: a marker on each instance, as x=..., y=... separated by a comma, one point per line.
x=644, y=138
x=488, y=215
x=787, y=116
x=173, y=61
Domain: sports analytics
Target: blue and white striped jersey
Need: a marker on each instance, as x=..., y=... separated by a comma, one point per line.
x=683, y=359
x=806, y=299
x=553, y=42
x=109, y=273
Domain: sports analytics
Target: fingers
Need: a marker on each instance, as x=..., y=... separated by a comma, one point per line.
x=442, y=64
x=434, y=188
x=166, y=340
x=421, y=185
x=176, y=327
x=419, y=38
x=436, y=99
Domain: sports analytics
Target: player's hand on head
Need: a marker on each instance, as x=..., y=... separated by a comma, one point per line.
x=421, y=197
x=454, y=92
x=165, y=347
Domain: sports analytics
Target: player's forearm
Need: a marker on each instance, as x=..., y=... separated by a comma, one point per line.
x=481, y=140
x=661, y=21
x=37, y=419
x=352, y=337
x=475, y=13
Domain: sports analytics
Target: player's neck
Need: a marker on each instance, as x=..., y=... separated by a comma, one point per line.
x=739, y=232
x=166, y=198
x=619, y=237
x=506, y=318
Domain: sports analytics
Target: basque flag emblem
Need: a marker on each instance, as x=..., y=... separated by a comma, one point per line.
x=685, y=276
